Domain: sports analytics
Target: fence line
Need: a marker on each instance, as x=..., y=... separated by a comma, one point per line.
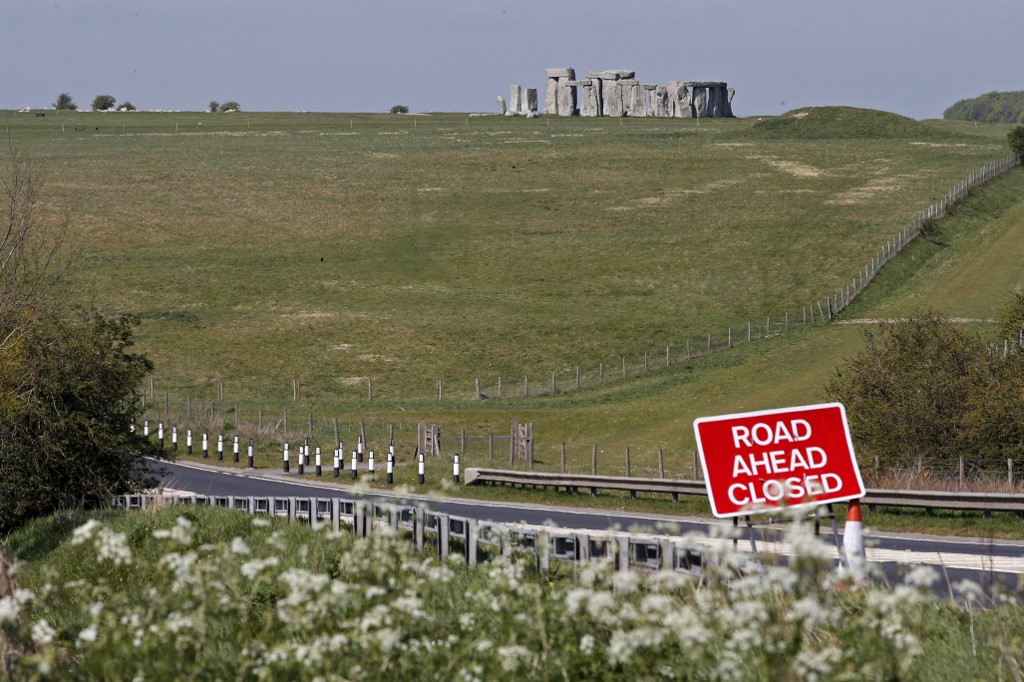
x=637, y=364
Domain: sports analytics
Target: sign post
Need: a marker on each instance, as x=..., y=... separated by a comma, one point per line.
x=761, y=462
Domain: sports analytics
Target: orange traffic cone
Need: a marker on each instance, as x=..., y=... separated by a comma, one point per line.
x=853, y=539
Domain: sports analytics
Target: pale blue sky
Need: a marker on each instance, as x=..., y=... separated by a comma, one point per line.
x=913, y=57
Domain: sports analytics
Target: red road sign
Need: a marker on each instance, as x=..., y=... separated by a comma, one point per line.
x=759, y=462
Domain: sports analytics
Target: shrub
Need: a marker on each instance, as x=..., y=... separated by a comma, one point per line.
x=399, y=109
x=65, y=102
x=229, y=107
x=1015, y=138
x=126, y=106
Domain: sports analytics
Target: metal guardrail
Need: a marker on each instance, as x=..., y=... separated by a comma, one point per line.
x=875, y=497
x=478, y=540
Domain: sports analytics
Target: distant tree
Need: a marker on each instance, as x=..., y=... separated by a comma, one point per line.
x=1015, y=138
x=103, y=103
x=65, y=102
x=992, y=107
x=213, y=106
x=126, y=106
x=923, y=391
x=229, y=106
x=399, y=109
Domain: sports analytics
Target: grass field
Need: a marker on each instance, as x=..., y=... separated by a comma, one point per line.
x=340, y=249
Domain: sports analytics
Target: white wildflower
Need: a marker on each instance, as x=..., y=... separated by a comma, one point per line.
x=251, y=569
x=921, y=575
x=88, y=634
x=587, y=642
x=969, y=590
x=514, y=657
x=84, y=532
x=113, y=547
x=43, y=632
x=466, y=621
x=8, y=610
x=260, y=523
x=238, y=546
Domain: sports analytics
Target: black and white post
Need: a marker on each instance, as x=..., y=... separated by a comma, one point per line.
x=302, y=461
x=220, y=447
x=160, y=434
x=337, y=464
x=355, y=465
x=235, y=453
x=206, y=445
x=319, y=469
x=174, y=438
x=252, y=455
x=369, y=466
x=188, y=441
x=455, y=469
x=391, y=466
x=287, y=466
x=422, y=473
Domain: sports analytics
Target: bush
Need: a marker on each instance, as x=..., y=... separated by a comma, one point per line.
x=228, y=107
x=213, y=106
x=126, y=106
x=923, y=392
x=399, y=109
x=103, y=103
x=1015, y=138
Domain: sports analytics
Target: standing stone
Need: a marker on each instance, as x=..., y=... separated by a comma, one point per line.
x=700, y=102
x=567, y=93
x=729, y=94
x=588, y=107
x=661, y=102
x=530, y=106
x=649, y=98
x=611, y=90
x=712, y=105
x=637, y=102
x=551, y=97
x=501, y=105
x=515, y=100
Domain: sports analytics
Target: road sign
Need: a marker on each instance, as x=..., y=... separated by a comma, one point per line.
x=759, y=462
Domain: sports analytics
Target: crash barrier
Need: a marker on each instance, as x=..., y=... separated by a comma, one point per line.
x=875, y=497
x=449, y=535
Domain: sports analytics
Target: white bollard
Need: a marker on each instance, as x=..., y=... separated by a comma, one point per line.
x=423, y=476
x=319, y=469
x=355, y=466
x=369, y=466
x=455, y=469
x=287, y=466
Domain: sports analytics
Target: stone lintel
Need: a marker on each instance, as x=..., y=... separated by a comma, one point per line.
x=611, y=74
x=578, y=84
x=704, y=84
x=567, y=72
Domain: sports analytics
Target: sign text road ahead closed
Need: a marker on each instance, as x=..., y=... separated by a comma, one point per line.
x=757, y=462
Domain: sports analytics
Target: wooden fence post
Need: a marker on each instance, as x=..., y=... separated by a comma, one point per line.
x=628, y=467
x=593, y=461
x=661, y=463
x=563, y=457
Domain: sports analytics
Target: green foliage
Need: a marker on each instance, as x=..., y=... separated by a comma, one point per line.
x=65, y=102
x=992, y=107
x=212, y=593
x=1011, y=322
x=103, y=103
x=399, y=109
x=922, y=392
x=67, y=378
x=67, y=401
x=1015, y=138
x=837, y=123
x=126, y=106
x=229, y=106
x=213, y=106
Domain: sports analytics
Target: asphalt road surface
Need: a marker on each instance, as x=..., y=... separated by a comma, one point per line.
x=985, y=561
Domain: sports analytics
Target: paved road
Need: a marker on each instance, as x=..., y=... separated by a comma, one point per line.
x=981, y=560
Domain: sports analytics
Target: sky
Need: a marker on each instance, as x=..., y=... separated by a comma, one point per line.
x=912, y=57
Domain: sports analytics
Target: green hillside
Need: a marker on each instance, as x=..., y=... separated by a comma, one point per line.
x=992, y=107
x=372, y=252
